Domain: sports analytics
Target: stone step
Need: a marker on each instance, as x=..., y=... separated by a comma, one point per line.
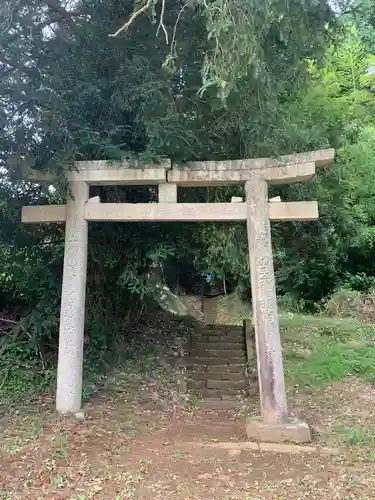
x=231, y=368
x=220, y=330
x=212, y=360
x=220, y=346
x=228, y=332
x=216, y=393
x=218, y=353
x=219, y=404
x=236, y=376
x=211, y=339
x=225, y=385
x=197, y=384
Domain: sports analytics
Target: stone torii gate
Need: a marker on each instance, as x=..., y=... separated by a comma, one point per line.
x=257, y=211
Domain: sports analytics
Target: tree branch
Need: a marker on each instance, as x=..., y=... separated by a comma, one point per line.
x=65, y=14
x=16, y=65
x=132, y=19
x=161, y=22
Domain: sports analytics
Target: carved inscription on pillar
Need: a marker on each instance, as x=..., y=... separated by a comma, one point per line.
x=269, y=352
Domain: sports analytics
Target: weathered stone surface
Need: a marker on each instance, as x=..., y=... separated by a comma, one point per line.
x=220, y=329
x=286, y=448
x=102, y=173
x=272, y=447
x=236, y=336
x=169, y=211
x=220, y=353
x=183, y=212
x=294, y=168
x=218, y=369
x=293, y=431
x=200, y=360
x=226, y=384
x=232, y=368
x=223, y=380
x=220, y=375
x=231, y=397
x=163, y=212
x=216, y=393
x=94, y=199
x=72, y=319
x=167, y=192
x=321, y=158
x=282, y=174
x=269, y=351
x=233, y=337
x=220, y=346
x=234, y=453
x=218, y=404
x=205, y=361
x=197, y=384
x=43, y=213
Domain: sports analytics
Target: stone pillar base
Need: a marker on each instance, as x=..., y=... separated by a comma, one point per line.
x=294, y=431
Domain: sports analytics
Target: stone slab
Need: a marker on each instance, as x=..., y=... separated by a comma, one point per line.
x=232, y=368
x=295, y=431
x=44, y=213
x=216, y=393
x=160, y=212
x=207, y=361
x=167, y=192
x=221, y=329
x=106, y=173
x=214, y=175
x=197, y=384
x=236, y=338
x=227, y=384
x=224, y=376
x=220, y=353
x=321, y=158
x=273, y=448
x=218, y=404
x=220, y=346
x=219, y=369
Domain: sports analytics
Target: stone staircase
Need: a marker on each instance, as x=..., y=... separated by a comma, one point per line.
x=218, y=364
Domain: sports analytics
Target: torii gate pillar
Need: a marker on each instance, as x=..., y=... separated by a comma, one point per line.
x=263, y=290
x=72, y=319
x=274, y=424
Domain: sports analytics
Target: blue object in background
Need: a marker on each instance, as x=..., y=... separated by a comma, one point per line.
x=209, y=277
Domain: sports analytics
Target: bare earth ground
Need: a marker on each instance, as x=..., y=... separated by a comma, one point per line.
x=150, y=450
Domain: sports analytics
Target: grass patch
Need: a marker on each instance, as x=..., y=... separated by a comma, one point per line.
x=320, y=350
x=359, y=439
x=19, y=384
x=14, y=440
x=359, y=436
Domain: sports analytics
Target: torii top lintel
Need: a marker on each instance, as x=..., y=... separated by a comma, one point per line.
x=286, y=169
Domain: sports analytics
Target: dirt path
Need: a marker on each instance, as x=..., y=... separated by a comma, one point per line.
x=133, y=450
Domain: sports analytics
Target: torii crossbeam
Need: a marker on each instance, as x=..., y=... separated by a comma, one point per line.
x=257, y=211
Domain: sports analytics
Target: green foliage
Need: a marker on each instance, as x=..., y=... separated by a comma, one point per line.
x=254, y=40
x=320, y=350
x=344, y=303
